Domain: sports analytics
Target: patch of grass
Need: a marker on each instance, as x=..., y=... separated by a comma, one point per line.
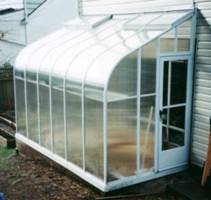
x=5, y=155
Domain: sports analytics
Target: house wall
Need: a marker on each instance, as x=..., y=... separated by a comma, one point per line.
x=50, y=17
x=202, y=93
x=92, y=7
x=44, y=20
x=12, y=36
x=9, y=51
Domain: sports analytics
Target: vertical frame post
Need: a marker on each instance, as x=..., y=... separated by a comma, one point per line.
x=83, y=121
x=51, y=116
x=65, y=117
x=139, y=53
x=38, y=108
x=15, y=99
x=105, y=137
x=157, y=104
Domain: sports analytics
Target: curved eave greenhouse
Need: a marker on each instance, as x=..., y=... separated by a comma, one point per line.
x=78, y=93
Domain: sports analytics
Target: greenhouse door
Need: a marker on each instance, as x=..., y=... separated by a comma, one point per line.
x=174, y=115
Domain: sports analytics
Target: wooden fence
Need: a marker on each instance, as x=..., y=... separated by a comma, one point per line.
x=6, y=90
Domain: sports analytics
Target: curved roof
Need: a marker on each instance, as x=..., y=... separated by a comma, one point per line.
x=87, y=49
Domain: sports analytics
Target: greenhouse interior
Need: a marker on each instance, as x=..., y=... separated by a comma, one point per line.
x=109, y=97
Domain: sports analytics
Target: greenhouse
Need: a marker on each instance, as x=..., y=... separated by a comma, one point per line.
x=109, y=97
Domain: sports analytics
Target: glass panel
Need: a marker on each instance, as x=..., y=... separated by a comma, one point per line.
x=141, y=21
x=124, y=78
x=121, y=139
x=174, y=117
x=178, y=81
x=148, y=68
x=174, y=92
x=20, y=107
x=177, y=117
x=147, y=128
x=58, y=121
x=44, y=79
x=31, y=75
x=184, y=36
x=45, y=130
x=74, y=123
x=172, y=138
x=94, y=131
x=167, y=42
x=168, y=18
x=32, y=109
x=19, y=73
x=165, y=82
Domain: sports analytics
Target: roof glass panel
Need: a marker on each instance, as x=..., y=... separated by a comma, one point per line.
x=86, y=22
x=90, y=55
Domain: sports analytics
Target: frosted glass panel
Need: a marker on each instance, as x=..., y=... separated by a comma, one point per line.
x=121, y=139
x=58, y=121
x=45, y=130
x=147, y=129
x=20, y=107
x=74, y=123
x=124, y=78
x=167, y=42
x=94, y=131
x=184, y=36
x=148, y=68
x=32, y=111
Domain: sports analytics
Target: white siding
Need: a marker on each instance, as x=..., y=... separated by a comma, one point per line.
x=202, y=93
x=46, y=19
x=92, y=7
x=15, y=4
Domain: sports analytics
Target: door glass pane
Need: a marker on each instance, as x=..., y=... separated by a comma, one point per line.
x=121, y=139
x=174, y=93
x=174, y=117
x=172, y=138
x=177, y=117
x=165, y=82
x=178, y=81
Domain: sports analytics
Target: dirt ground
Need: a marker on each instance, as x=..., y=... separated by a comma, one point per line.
x=23, y=178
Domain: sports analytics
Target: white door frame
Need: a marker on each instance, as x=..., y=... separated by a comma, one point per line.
x=182, y=153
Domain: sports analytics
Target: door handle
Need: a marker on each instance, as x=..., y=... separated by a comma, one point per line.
x=161, y=115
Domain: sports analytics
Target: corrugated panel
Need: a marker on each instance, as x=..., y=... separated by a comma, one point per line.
x=202, y=93
x=94, y=7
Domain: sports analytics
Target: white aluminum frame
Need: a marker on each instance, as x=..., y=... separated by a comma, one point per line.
x=183, y=149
